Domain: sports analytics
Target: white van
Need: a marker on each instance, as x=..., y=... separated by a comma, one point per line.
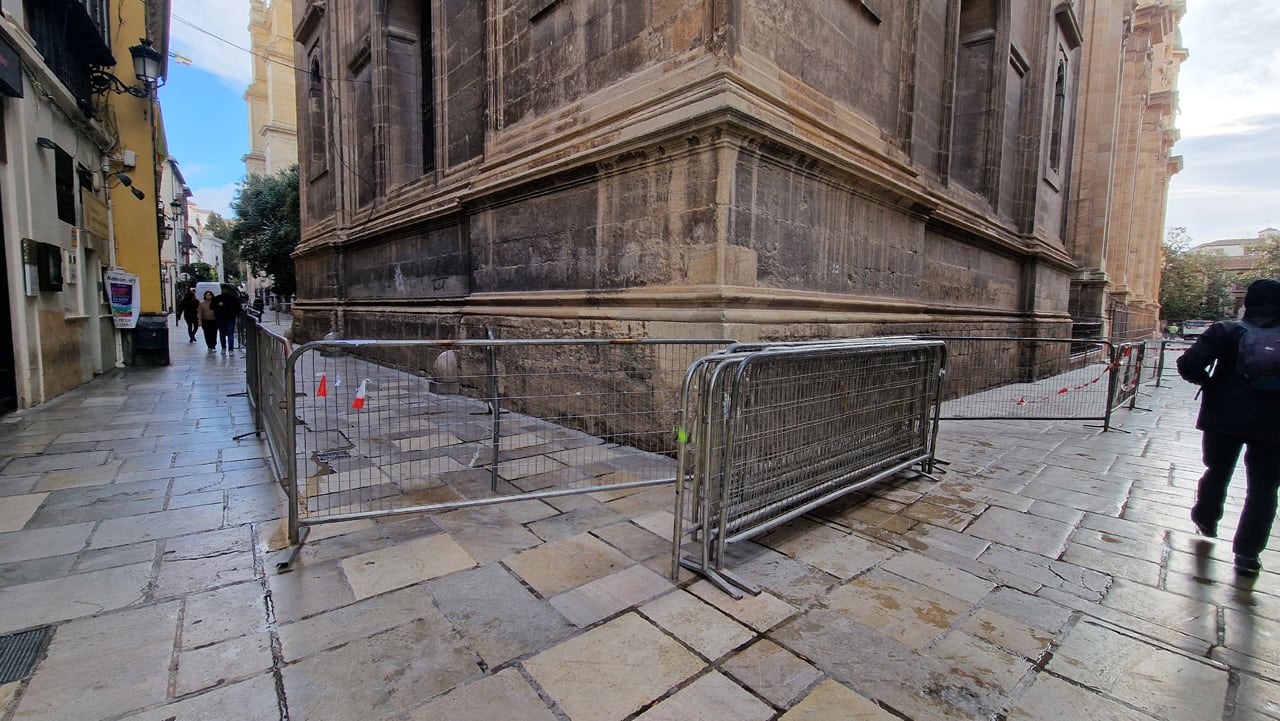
x=210, y=285
x=1195, y=328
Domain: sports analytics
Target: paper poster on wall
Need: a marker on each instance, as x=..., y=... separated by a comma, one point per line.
x=122, y=288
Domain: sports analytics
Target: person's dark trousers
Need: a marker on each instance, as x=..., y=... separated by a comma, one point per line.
x=227, y=334
x=1262, y=471
x=210, y=335
x=191, y=329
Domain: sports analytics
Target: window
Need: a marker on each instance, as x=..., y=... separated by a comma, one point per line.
x=64, y=184
x=974, y=80
x=410, y=92
x=317, y=120
x=1059, y=111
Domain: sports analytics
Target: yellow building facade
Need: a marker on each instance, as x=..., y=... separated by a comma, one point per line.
x=138, y=153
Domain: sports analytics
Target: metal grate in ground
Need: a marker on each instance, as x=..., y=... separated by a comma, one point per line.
x=19, y=653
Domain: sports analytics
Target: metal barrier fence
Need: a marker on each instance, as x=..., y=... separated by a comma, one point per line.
x=483, y=421
x=266, y=359
x=772, y=432
x=1127, y=373
x=1027, y=378
x=253, y=382
x=362, y=429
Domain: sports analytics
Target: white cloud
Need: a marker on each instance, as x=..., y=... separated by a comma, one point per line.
x=1233, y=72
x=1229, y=101
x=217, y=199
x=228, y=20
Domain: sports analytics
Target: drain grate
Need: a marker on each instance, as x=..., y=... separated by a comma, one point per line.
x=19, y=652
x=326, y=456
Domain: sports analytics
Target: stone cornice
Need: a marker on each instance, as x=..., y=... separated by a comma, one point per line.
x=696, y=304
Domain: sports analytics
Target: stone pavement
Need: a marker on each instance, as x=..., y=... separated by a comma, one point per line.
x=1051, y=573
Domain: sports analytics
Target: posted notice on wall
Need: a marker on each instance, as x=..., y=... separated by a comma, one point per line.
x=122, y=289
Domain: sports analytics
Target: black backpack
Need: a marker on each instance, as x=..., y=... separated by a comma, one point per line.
x=1258, y=357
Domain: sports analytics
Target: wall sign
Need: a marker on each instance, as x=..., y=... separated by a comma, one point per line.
x=122, y=289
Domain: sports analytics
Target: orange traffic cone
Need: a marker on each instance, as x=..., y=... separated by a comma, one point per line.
x=361, y=391
x=322, y=390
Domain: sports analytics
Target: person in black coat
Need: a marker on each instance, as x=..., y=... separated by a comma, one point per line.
x=1234, y=416
x=189, y=310
x=226, y=308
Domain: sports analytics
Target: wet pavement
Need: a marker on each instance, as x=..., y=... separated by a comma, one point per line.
x=1053, y=572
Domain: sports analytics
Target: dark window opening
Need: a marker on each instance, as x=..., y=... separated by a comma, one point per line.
x=64, y=186
x=317, y=122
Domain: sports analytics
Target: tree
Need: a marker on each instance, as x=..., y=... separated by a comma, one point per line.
x=1192, y=285
x=268, y=225
x=221, y=228
x=200, y=271
x=1269, y=250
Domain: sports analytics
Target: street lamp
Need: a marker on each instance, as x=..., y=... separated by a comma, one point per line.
x=146, y=67
x=146, y=61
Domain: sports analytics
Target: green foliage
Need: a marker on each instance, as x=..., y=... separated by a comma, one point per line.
x=1192, y=285
x=1269, y=265
x=199, y=271
x=267, y=228
x=219, y=226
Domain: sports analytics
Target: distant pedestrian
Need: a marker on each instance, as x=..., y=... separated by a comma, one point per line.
x=1236, y=414
x=227, y=307
x=1171, y=333
x=189, y=309
x=208, y=321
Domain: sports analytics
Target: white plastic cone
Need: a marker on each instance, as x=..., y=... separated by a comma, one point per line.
x=361, y=391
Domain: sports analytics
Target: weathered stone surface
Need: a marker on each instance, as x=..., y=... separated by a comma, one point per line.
x=387, y=569
x=700, y=626
x=612, y=670
x=567, y=563
x=136, y=644
x=505, y=695
x=712, y=696
x=832, y=701
x=773, y=672
x=1163, y=683
x=496, y=615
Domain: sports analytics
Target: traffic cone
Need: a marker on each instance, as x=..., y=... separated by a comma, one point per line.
x=322, y=390
x=361, y=391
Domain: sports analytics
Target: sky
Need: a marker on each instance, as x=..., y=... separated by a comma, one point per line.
x=1229, y=101
x=206, y=120
x=1228, y=89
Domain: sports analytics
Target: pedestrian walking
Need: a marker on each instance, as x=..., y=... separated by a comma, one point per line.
x=226, y=308
x=189, y=310
x=208, y=321
x=1171, y=333
x=1238, y=411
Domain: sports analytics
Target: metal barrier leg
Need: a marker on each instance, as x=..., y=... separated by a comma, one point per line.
x=1164, y=346
x=722, y=578
x=1112, y=381
x=286, y=564
x=496, y=410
